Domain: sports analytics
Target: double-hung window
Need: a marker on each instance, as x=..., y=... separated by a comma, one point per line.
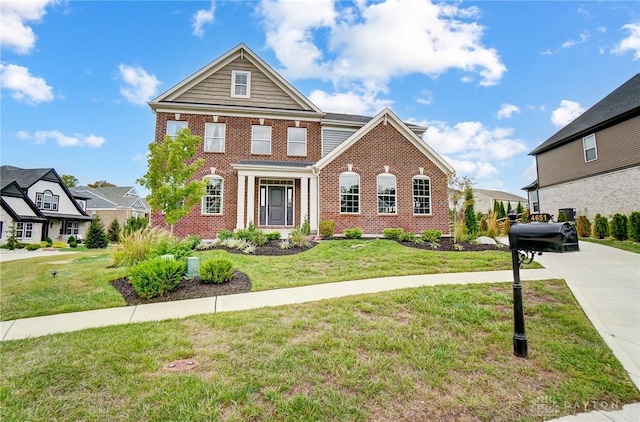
x=261, y=140
x=590, y=150
x=421, y=195
x=240, y=84
x=47, y=201
x=174, y=126
x=214, y=137
x=212, y=200
x=349, y=193
x=24, y=230
x=386, y=194
x=297, y=141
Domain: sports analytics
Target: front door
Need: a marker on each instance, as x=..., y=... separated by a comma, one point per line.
x=277, y=205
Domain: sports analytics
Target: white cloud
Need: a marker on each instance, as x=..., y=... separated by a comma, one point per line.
x=349, y=102
x=584, y=36
x=631, y=43
x=425, y=97
x=16, y=35
x=139, y=86
x=203, y=17
x=507, y=110
x=378, y=41
x=26, y=87
x=64, y=141
x=566, y=113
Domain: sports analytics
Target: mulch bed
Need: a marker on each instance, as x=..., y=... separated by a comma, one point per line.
x=271, y=248
x=448, y=245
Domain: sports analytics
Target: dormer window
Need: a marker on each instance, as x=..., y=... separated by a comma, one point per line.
x=240, y=84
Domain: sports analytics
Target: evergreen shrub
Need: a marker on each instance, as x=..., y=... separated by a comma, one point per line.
x=216, y=271
x=327, y=228
x=354, y=233
x=393, y=233
x=156, y=277
x=634, y=226
x=618, y=227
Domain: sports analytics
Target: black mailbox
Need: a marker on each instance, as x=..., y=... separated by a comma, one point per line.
x=544, y=237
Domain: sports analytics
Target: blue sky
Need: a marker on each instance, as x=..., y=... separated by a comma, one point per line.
x=490, y=79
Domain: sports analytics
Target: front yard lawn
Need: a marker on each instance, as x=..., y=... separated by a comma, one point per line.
x=431, y=353
x=82, y=280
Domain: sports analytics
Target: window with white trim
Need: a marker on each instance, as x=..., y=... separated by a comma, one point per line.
x=349, y=193
x=240, y=84
x=174, y=126
x=386, y=194
x=421, y=195
x=589, y=146
x=534, y=201
x=70, y=228
x=212, y=200
x=261, y=140
x=214, y=137
x=297, y=141
x=24, y=230
x=47, y=201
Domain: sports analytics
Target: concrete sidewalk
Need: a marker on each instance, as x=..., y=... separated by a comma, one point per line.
x=40, y=326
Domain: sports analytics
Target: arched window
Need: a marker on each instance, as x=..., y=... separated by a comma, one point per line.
x=349, y=193
x=421, y=195
x=386, y=194
x=212, y=200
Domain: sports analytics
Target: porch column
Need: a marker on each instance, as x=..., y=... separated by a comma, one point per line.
x=251, y=198
x=240, y=203
x=313, y=205
x=304, y=199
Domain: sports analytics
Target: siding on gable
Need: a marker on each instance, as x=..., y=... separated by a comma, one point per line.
x=19, y=206
x=617, y=148
x=332, y=138
x=216, y=89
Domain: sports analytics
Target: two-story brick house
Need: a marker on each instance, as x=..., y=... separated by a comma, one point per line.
x=592, y=165
x=274, y=159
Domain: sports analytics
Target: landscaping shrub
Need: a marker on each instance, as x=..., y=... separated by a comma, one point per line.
x=156, y=276
x=259, y=238
x=113, y=233
x=561, y=217
x=306, y=227
x=600, y=227
x=72, y=242
x=71, y=239
x=225, y=234
x=327, y=228
x=137, y=246
x=134, y=224
x=408, y=237
x=273, y=236
x=459, y=232
x=493, y=229
x=12, y=241
x=58, y=244
x=299, y=239
x=431, y=235
x=245, y=234
x=49, y=241
x=583, y=226
x=354, y=233
x=634, y=226
x=33, y=247
x=192, y=241
x=216, y=271
x=483, y=225
x=507, y=226
x=393, y=233
x=618, y=227
x=96, y=238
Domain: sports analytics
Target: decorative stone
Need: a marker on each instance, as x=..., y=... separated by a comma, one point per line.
x=484, y=240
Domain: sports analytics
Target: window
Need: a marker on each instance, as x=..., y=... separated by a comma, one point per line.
x=386, y=194
x=240, y=84
x=47, y=200
x=421, y=195
x=297, y=141
x=534, y=201
x=70, y=227
x=174, y=126
x=350, y=193
x=260, y=139
x=590, y=150
x=212, y=200
x=24, y=230
x=214, y=137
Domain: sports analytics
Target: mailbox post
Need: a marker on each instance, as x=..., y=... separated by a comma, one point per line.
x=525, y=240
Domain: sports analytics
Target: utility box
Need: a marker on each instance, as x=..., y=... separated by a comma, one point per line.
x=544, y=237
x=193, y=266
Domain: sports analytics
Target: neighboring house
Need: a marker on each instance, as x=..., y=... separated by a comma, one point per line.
x=592, y=165
x=485, y=198
x=272, y=158
x=112, y=203
x=38, y=205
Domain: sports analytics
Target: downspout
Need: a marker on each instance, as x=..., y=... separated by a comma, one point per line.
x=316, y=172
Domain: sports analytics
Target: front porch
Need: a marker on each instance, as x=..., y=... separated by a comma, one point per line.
x=276, y=196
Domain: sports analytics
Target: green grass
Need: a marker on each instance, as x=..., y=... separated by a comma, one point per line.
x=626, y=245
x=432, y=353
x=82, y=282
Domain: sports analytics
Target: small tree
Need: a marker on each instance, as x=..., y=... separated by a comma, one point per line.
x=519, y=209
x=470, y=221
x=69, y=180
x=508, y=209
x=134, y=224
x=600, y=227
x=114, y=231
x=583, y=226
x=170, y=176
x=618, y=227
x=100, y=184
x=457, y=187
x=634, y=226
x=96, y=237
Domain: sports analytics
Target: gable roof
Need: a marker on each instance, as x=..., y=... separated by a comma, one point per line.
x=357, y=121
x=240, y=51
x=620, y=105
x=111, y=197
x=386, y=116
x=12, y=193
x=499, y=195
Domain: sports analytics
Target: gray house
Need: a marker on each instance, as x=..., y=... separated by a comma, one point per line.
x=112, y=203
x=592, y=165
